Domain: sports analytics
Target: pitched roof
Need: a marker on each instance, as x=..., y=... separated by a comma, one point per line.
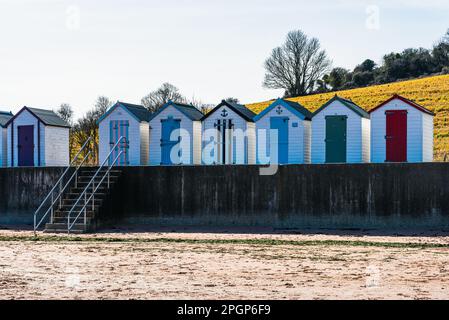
x=240, y=109
x=348, y=103
x=294, y=107
x=300, y=109
x=409, y=102
x=4, y=118
x=188, y=110
x=47, y=117
x=140, y=113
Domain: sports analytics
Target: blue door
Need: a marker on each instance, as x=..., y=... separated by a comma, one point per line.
x=281, y=125
x=117, y=129
x=168, y=126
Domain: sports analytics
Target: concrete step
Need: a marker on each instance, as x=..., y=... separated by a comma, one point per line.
x=71, y=201
x=75, y=195
x=79, y=206
x=85, y=179
x=74, y=213
x=63, y=220
x=80, y=189
x=92, y=172
x=62, y=227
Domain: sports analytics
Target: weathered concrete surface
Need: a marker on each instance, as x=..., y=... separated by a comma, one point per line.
x=298, y=196
x=22, y=190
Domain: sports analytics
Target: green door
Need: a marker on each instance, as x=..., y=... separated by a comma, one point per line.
x=336, y=139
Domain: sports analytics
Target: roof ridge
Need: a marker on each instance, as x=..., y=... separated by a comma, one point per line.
x=185, y=105
x=131, y=104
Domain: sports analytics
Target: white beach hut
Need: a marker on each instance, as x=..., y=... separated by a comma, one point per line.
x=175, y=135
x=229, y=135
x=401, y=131
x=131, y=122
x=4, y=118
x=37, y=137
x=293, y=124
x=340, y=133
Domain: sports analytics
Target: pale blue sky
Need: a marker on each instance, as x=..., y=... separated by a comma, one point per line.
x=209, y=49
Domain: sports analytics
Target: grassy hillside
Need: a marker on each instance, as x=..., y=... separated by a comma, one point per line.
x=432, y=93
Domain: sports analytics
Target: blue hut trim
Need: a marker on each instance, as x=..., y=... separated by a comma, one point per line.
x=188, y=110
x=138, y=112
x=291, y=106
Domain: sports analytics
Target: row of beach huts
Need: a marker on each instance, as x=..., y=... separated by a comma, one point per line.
x=398, y=130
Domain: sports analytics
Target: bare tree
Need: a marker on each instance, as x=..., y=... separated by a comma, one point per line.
x=296, y=65
x=65, y=111
x=87, y=127
x=156, y=99
x=203, y=107
x=232, y=100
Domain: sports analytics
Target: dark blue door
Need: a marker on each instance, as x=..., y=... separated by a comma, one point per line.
x=281, y=125
x=25, y=146
x=168, y=126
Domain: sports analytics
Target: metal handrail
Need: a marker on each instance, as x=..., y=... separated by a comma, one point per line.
x=84, y=193
x=58, y=183
x=92, y=196
x=59, y=196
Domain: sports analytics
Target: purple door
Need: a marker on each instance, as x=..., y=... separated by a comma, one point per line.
x=25, y=146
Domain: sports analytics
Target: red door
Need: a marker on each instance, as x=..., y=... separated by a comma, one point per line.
x=396, y=135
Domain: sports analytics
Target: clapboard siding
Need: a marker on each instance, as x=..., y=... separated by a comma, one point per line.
x=51, y=143
x=3, y=147
x=56, y=144
x=298, y=137
x=366, y=145
x=427, y=137
x=197, y=142
x=239, y=124
x=190, y=132
x=144, y=143
x=134, y=135
x=414, y=132
x=307, y=141
x=354, y=141
x=251, y=142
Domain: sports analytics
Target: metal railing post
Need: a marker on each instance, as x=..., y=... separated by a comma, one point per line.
x=51, y=195
x=85, y=209
x=93, y=196
x=95, y=187
x=51, y=214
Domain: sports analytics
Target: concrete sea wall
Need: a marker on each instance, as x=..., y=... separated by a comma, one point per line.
x=298, y=196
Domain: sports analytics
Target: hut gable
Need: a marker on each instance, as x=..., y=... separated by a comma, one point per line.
x=401, y=130
x=130, y=121
x=37, y=137
x=294, y=132
x=340, y=133
x=163, y=124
